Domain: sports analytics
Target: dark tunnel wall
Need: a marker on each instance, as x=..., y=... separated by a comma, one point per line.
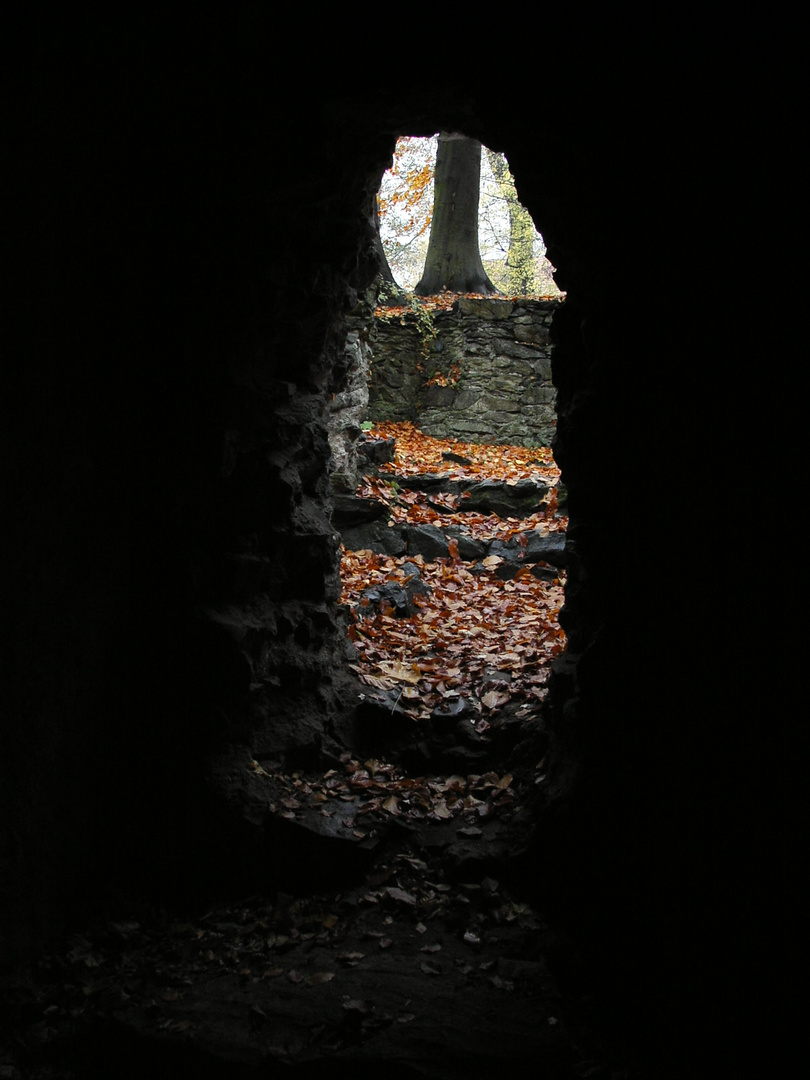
x=189, y=254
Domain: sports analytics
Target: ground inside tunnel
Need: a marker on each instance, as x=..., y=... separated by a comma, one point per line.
x=412, y=938
x=413, y=947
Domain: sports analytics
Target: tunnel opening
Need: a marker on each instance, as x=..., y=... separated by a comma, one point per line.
x=455, y=580
x=510, y=245
x=420, y=694
x=494, y=510
x=450, y=364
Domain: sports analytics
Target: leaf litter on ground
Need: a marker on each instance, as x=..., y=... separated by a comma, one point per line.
x=474, y=636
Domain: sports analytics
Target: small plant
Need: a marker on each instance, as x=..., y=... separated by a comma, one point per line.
x=388, y=295
x=423, y=312
x=425, y=326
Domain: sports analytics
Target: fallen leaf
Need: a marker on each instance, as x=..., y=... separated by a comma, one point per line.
x=320, y=977
x=400, y=895
x=430, y=967
x=494, y=698
x=400, y=671
x=464, y=616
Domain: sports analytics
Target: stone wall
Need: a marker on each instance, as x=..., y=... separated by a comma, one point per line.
x=480, y=372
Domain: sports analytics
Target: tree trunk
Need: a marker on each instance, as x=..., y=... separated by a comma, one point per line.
x=390, y=292
x=453, y=259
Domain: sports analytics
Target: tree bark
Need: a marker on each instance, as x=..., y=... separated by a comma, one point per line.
x=390, y=292
x=453, y=259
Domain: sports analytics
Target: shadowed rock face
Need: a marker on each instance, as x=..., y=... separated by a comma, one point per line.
x=173, y=574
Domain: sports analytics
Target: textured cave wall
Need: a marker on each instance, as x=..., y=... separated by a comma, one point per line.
x=174, y=571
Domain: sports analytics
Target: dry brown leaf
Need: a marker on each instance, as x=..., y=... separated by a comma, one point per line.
x=320, y=977
x=464, y=617
x=401, y=896
x=400, y=671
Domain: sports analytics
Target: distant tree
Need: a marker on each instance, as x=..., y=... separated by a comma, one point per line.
x=510, y=247
x=390, y=290
x=453, y=258
x=520, y=260
x=405, y=207
x=513, y=249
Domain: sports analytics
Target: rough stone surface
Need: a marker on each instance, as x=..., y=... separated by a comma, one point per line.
x=351, y=510
x=348, y=407
x=494, y=354
x=392, y=596
x=505, y=500
x=426, y=540
x=375, y=451
x=376, y=536
x=431, y=541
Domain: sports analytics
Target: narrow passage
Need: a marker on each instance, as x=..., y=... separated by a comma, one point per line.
x=454, y=582
x=413, y=943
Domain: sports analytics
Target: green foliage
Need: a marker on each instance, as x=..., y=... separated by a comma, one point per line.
x=516, y=272
x=425, y=324
x=388, y=294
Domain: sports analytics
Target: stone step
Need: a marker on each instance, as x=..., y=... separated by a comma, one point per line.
x=522, y=499
x=364, y=524
x=504, y=498
x=433, y=542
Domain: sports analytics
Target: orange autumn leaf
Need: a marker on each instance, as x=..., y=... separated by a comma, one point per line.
x=469, y=622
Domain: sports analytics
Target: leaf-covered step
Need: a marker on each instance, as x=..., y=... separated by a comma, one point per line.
x=434, y=542
x=510, y=499
x=349, y=511
x=506, y=498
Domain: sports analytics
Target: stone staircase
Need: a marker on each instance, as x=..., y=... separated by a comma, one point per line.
x=365, y=523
